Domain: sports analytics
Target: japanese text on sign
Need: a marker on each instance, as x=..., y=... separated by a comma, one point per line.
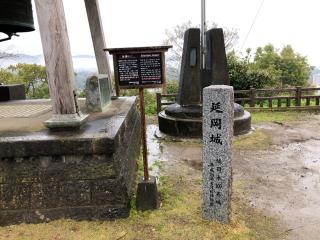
x=139, y=69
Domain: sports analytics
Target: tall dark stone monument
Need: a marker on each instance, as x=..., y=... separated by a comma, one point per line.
x=216, y=59
x=184, y=118
x=190, y=70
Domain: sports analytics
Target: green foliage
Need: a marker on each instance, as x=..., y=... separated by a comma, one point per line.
x=280, y=117
x=149, y=99
x=81, y=94
x=172, y=86
x=270, y=68
x=150, y=103
x=33, y=76
x=287, y=66
x=243, y=76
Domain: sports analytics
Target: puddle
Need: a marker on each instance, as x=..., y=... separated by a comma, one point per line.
x=154, y=150
x=283, y=181
x=291, y=177
x=172, y=151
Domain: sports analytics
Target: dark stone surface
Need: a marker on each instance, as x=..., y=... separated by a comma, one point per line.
x=238, y=110
x=147, y=195
x=12, y=92
x=38, y=185
x=176, y=110
x=93, y=213
x=216, y=59
x=180, y=127
x=190, y=84
x=242, y=124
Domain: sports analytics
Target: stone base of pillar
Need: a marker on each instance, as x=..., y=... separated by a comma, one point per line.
x=181, y=121
x=63, y=121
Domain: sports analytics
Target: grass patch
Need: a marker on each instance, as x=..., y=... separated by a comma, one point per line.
x=258, y=139
x=260, y=117
x=178, y=218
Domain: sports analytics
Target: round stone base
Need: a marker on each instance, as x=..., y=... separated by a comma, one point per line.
x=180, y=127
x=192, y=127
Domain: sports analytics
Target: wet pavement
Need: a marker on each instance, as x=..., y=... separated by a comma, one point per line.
x=282, y=180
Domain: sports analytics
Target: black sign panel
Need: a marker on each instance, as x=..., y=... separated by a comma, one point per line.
x=139, y=69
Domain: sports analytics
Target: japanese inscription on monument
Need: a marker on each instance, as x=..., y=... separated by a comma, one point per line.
x=217, y=140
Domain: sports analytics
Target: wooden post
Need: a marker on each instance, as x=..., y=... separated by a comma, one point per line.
x=57, y=55
x=164, y=86
x=158, y=102
x=308, y=101
x=144, y=135
x=115, y=67
x=288, y=102
x=298, y=96
x=261, y=103
x=97, y=34
x=279, y=102
x=270, y=102
x=252, y=97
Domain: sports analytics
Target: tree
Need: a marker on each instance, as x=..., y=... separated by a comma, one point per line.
x=175, y=38
x=243, y=75
x=33, y=76
x=287, y=66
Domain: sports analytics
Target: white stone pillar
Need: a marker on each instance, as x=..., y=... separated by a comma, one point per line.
x=218, y=114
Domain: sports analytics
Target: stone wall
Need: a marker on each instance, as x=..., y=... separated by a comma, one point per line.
x=94, y=183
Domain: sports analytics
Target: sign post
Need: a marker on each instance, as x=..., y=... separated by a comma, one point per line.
x=140, y=68
x=144, y=135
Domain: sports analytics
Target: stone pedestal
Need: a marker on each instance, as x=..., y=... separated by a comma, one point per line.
x=85, y=174
x=66, y=121
x=182, y=123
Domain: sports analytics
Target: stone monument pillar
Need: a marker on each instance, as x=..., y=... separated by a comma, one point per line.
x=217, y=140
x=216, y=59
x=190, y=84
x=184, y=118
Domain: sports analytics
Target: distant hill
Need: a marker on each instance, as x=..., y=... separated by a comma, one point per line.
x=79, y=61
x=84, y=66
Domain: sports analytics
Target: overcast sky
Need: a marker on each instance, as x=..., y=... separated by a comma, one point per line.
x=130, y=23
